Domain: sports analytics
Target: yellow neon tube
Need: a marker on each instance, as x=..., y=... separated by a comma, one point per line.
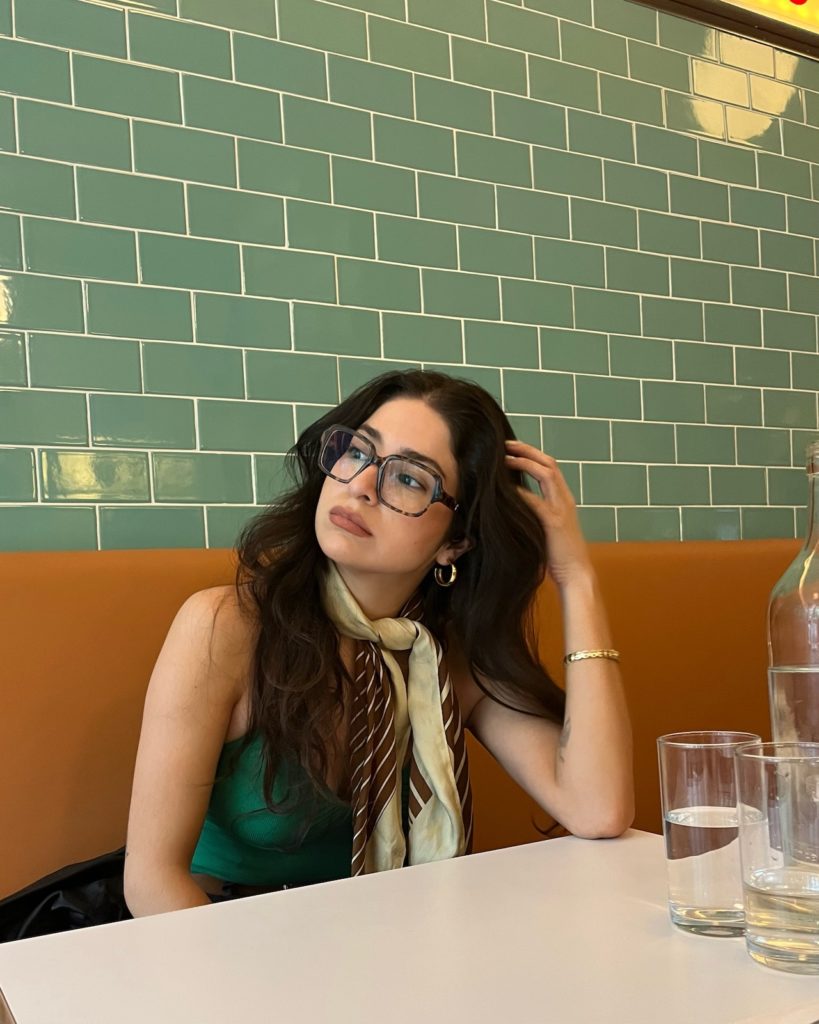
x=802, y=14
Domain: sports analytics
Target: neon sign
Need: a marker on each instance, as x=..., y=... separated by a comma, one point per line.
x=791, y=24
x=801, y=14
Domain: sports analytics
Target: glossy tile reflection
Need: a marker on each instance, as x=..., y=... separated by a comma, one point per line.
x=94, y=476
x=746, y=53
x=776, y=98
x=757, y=130
x=6, y=302
x=688, y=114
x=720, y=83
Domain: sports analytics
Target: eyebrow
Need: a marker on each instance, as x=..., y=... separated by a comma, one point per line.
x=410, y=453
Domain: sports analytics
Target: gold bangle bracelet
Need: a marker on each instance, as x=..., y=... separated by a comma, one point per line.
x=609, y=654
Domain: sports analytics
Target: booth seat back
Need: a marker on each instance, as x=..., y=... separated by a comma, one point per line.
x=80, y=632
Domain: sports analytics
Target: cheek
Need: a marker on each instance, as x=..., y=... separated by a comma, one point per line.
x=329, y=493
x=422, y=536
x=327, y=498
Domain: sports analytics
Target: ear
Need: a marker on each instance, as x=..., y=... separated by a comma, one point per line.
x=452, y=550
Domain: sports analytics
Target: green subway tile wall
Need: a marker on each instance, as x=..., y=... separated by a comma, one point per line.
x=219, y=218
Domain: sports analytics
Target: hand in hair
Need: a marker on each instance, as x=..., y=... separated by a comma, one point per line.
x=556, y=509
x=587, y=783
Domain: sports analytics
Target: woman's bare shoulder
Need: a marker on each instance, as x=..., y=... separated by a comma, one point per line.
x=223, y=625
x=221, y=608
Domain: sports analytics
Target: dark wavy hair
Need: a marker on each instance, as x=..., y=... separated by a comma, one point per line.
x=299, y=682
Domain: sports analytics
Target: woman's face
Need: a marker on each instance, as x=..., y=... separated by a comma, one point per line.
x=386, y=541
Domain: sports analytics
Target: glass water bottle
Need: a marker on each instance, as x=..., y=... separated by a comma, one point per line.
x=793, y=632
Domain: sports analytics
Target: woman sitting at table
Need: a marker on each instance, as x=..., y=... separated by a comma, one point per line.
x=307, y=723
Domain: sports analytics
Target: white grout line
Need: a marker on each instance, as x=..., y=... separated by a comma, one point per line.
x=71, y=78
x=381, y=333
x=88, y=420
x=131, y=152
x=231, y=54
x=127, y=20
x=141, y=368
x=194, y=321
x=291, y=312
x=15, y=129
x=205, y=523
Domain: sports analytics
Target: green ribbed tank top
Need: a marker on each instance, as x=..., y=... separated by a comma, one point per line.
x=248, y=849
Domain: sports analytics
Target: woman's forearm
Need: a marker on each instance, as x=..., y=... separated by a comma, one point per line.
x=594, y=761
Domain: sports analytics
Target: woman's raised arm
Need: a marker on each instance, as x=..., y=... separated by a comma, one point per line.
x=581, y=774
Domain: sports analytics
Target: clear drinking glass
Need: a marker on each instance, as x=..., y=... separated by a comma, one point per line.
x=698, y=786
x=778, y=787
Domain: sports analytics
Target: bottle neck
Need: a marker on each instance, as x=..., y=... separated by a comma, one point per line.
x=812, y=540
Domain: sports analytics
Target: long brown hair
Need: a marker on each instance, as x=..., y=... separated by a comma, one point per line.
x=299, y=682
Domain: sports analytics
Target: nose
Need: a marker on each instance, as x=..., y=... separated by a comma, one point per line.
x=365, y=484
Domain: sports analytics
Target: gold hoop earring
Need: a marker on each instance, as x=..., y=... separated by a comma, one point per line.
x=439, y=575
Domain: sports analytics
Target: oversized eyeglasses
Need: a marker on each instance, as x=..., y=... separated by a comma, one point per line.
x=402, y=484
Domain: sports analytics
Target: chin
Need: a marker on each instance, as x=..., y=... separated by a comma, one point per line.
x=344, y=552
x=339, y=548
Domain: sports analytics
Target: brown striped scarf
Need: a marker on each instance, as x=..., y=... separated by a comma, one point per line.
x=388, y=715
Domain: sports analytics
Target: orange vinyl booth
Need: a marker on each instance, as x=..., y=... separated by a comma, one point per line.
x=81, y=630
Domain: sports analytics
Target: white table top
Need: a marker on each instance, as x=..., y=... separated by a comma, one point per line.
x=561, y=931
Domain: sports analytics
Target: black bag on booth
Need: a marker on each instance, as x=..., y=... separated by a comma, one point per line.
x=76, y=896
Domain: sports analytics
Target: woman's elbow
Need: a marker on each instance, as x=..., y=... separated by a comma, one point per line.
x=605, y=829
x=133, y=896
x=135, y=891
x=158, y=888
x=604, y=822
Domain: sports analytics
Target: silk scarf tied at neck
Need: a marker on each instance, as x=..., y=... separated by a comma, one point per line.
x=388, y=714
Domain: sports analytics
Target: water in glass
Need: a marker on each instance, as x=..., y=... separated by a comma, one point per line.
x=704, y=881
x=782, y=918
